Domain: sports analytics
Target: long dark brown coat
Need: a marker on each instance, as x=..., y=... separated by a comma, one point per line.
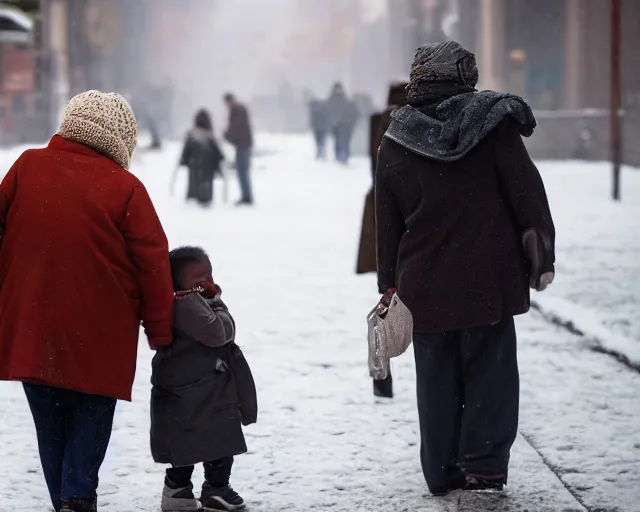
x=379, y=123
x=449, y=234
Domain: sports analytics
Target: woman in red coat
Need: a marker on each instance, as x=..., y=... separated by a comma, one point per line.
x=83, y=260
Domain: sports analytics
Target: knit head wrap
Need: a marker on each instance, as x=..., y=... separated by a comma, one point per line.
x=104, y=122
x=440, y=71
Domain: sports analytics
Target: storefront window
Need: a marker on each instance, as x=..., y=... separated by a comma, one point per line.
x=535, y=58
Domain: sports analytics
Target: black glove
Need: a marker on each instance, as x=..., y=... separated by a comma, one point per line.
x=536, y=250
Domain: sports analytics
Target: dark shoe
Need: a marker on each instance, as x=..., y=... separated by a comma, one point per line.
x=475, y=483
x=459, y=483
x=244, y=202
x=77, y=505
x=383, y=388
x=223, y=498
x=178, y=499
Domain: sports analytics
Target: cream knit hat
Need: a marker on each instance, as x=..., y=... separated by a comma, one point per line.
x=104, y=122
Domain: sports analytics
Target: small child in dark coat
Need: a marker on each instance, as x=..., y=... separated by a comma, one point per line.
x=196, y=401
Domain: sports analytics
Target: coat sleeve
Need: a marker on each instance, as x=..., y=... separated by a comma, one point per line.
x=198, y=322
x=185, y=156
x=231, y=135
x=218, y=155
x=390, y=226
x=7, y=195
x=523, y=188
x=374, y=142
x=239, y=131
x=149, y=249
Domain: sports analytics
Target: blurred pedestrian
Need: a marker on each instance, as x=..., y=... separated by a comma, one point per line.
x=456, y=194
x=343, y=117
x=239, y=134
x=82, y=241
x=319, y=121
x=379, y=123
x=202, y=155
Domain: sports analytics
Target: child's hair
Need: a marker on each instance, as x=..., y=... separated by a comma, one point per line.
x=181, y=258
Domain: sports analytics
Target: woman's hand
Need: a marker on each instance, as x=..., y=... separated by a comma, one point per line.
x=383, y=306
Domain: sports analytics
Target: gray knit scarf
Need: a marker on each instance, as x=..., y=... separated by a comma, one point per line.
x=446, y=118
x=458, y=124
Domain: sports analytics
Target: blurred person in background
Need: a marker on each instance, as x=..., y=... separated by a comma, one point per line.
x=202, y=155
x=463, y=231
x=379, y=123
x=239, y=134
x=343, y=116
x=319, y=121
x=83, y=259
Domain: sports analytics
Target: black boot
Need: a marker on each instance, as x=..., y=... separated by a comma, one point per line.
x=475, y=483
x=76, y=505
x=383, y=388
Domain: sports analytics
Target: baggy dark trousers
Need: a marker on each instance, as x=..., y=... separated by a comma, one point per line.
x=73, y=432
x=217, y=473
x=468, y=398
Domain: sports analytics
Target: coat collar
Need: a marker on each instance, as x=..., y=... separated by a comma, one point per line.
x=61, y=144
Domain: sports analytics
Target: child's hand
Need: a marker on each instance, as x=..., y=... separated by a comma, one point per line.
x=210, y=290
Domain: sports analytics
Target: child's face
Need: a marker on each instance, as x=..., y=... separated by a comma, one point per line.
x=195, y=274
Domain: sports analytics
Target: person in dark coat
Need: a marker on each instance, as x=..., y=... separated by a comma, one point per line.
x=319, y=121
x=239, y=134
x=343, y=116
x=379, y=123
x=203, y=391
x=202, y=155
x=456, y=192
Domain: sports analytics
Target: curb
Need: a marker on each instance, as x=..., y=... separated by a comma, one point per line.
x=595, y=343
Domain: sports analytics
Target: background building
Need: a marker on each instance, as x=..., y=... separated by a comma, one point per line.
x=170, y=57
x=557, y=54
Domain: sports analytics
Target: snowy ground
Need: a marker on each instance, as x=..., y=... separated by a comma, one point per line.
x=598, y=244
x=323, y=442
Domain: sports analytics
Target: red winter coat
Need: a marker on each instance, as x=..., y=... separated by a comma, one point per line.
x=83, y=259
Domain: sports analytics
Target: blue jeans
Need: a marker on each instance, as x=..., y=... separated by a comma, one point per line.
x=73, y=432
x=321, y=144
x=342, y=144
x=243, y=166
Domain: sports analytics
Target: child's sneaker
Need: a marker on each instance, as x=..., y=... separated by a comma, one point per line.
x=224, y=498
x=179, y=499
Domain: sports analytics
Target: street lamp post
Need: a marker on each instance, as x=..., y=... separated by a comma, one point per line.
x=616, y=96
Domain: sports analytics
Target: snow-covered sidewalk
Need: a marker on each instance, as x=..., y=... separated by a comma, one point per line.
x=598, y=252
x=323, y=442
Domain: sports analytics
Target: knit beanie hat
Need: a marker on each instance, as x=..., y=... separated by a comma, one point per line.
x=439, y=69
x=104, y=122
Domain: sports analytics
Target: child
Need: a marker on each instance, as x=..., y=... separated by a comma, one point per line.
x=202, y=392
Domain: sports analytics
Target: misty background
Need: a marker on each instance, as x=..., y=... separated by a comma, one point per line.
x=273, y=54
